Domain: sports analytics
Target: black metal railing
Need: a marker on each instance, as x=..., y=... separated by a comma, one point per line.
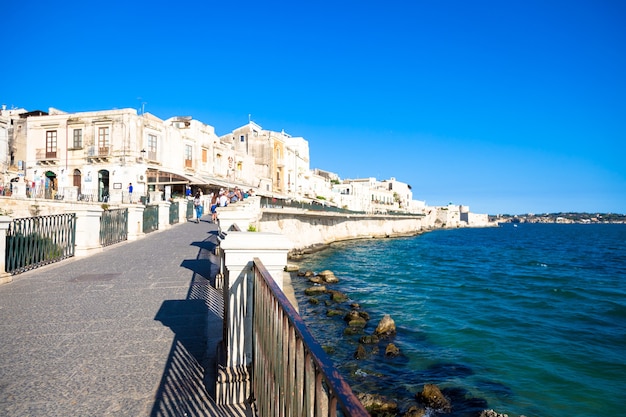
x=151, y=219
x=292, y=375
x=189, y=210
x=267, y=202
x=113, y=226
x=36, y=241
x=174, y=213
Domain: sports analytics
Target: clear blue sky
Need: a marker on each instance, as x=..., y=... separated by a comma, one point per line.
x=505, y=106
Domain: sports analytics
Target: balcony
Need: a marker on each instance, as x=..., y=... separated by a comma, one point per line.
x=98, y=154
x=46, y=157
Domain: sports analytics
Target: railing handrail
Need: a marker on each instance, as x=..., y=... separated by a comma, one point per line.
x=339, y=391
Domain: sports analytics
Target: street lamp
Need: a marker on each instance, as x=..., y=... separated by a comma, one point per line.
x=143, y=154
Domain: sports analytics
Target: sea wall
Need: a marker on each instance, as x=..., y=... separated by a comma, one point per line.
x=307, y=229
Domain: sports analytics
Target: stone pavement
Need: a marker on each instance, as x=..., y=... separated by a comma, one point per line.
x=130, y=331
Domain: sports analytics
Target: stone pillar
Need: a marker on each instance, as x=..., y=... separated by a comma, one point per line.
x=242, y=213
x=18, y=189
x=164, y=215
x=70, y=193
x=87, y=230
x=135, y=221
x=155, y=196
x=182, y=210
x=5, y=277
x=234, y=356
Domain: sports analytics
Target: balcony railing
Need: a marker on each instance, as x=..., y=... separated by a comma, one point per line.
x=46, y=156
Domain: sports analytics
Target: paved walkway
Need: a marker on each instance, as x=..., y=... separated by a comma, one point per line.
x=130, y=331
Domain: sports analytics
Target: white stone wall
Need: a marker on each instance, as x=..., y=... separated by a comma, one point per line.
x=306, y=229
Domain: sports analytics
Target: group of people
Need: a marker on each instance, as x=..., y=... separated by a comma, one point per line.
x=221, y=198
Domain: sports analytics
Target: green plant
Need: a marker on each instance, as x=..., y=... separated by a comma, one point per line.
x=104, y=206
x=251, y=228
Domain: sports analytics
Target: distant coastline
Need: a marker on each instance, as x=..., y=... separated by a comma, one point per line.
x=563, y=218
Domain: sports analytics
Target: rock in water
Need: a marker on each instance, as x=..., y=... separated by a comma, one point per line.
x=360, y=353
x=386, y=326
x=432, y=397
x=315, y=290
x=492, y=413
x=414, y=411
x=338, y=296
x=392, y=351
x=328, y=277
x=378, y=405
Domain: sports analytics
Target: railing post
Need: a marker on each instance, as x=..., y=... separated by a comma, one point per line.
x=5, y=277
x=164, y=215
x=182, y=210
x=87, y=230
x=135, y=221
x=234, y=356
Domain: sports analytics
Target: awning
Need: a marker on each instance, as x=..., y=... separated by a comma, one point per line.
x=173, y=176
x=226, y=184
x=163, y=177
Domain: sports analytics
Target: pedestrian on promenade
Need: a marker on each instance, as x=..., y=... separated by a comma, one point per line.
x=197, y=204
x=130, y=192
x=214, y=203
x=223, y=198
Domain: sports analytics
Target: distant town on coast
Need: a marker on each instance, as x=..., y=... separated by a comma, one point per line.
x=95, y=155
x=569, y=217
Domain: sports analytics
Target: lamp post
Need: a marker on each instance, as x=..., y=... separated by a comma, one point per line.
x=143, y=154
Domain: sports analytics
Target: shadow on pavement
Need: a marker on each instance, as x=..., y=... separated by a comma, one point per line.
x=187, y=386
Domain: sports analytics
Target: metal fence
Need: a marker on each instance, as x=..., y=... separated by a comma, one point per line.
x=36, y=241
x=174, y=208
x=292, y=375
x=189, y=210
x=267, y=202
x=113, y=226
x=151, y=218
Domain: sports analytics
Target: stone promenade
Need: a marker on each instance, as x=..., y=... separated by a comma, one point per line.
x=130, y=331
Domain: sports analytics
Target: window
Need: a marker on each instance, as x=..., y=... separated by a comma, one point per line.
x=51, y=144
x=204, y=156
x=242, y=138
x=152, y=147
x=104, y=140
x=78, y=138
x=188, y=156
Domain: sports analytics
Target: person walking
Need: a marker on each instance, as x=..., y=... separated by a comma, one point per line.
x=130, y=192
x=214, y=203
x=197, y=204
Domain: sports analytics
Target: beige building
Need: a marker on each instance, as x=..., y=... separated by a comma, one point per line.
x=96, y=155
x=281, y=162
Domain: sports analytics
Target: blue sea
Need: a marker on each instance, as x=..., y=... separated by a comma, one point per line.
x=527, y=320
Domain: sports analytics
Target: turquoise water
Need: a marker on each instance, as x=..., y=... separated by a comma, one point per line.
x=525, y=320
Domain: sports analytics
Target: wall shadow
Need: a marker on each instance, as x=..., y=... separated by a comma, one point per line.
x=187, y=387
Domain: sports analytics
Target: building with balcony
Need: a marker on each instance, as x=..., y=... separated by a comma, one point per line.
x=98, y=154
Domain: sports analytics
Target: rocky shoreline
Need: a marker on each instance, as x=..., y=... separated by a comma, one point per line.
x=430, y=400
